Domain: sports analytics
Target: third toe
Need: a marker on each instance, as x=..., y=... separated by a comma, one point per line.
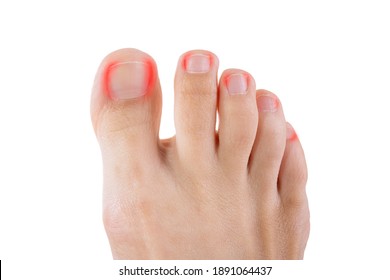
x=238, y=118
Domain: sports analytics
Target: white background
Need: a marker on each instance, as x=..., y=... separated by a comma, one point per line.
x=328, y=61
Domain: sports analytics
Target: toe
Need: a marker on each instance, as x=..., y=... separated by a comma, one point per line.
x=126, y=108
x=293, y=170
x=238, y=118
x=292, y=193
x=268, y=149
x=195, y=105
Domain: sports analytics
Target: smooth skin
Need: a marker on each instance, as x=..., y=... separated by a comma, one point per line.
x=232, y=192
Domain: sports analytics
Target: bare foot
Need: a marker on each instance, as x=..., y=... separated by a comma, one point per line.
x=235, y=193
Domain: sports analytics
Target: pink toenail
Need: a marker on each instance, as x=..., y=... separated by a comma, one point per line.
x=290, y=132
x=237, y=84
x=267, y=103
x=197, y=63
x=128, y=80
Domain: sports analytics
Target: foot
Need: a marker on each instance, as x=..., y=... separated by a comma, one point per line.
x=238, y=193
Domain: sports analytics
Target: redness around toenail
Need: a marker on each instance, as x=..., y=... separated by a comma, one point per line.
x=128, y=79
x=266, y=103
x=237, y=83
x=290, y=132
x=197, y=63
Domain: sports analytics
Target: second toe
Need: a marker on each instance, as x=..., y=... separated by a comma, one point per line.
x=195, y=106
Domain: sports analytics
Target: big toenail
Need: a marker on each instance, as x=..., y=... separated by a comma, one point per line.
x=197, y=63
x=266, y=103
x=128, y=80
x=237, y=84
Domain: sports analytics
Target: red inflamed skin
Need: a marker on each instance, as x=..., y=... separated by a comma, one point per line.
x=226, y=188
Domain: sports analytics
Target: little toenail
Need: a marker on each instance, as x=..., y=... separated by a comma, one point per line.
x=128, y=80
x=290, y=132
x=237, y=84
x=267, y=103
x=197, y=63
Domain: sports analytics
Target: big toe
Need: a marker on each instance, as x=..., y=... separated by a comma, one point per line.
x=126, y=110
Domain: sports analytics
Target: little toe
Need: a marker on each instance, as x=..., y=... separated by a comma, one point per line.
x=268, y=149
x=238, y=119
x=126, y=109
x=293, y=170
x=195, y=106
x=292, y=193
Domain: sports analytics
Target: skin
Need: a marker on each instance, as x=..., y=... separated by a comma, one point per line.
x=236, y=192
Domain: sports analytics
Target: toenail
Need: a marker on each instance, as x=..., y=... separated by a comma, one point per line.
x=266, y=103
x=128, y=80
x=290, y=132
x=237, y=84
x=197, y=63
